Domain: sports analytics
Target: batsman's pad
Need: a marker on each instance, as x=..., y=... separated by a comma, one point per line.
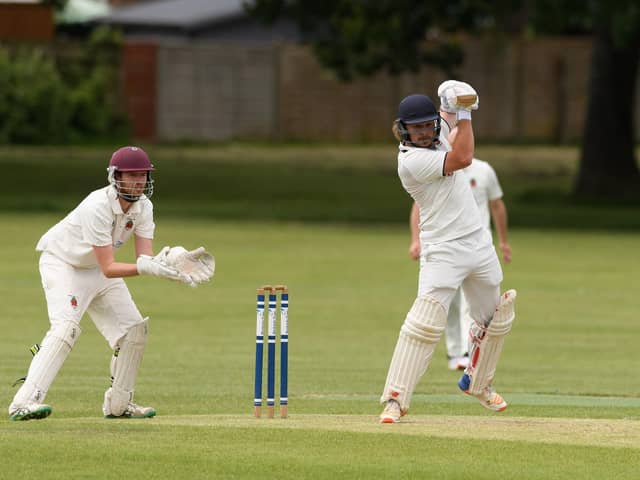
x=455, y=96
x=418, y=337
x=486, y=344
x=198, y=265
x=125, y=363
x=45, y=366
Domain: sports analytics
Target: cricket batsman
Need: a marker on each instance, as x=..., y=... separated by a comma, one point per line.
x=456, y=250
x=488, y=195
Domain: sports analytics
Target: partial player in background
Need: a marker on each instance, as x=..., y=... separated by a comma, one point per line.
x=488, y=195
x=80, y=274
x=456, y=251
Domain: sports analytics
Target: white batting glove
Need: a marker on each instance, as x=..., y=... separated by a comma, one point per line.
x=456, y=96
x=157, y=267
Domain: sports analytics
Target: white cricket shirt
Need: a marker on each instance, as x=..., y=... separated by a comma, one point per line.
x=485, y=187
x=98, y=220
x=448, y=209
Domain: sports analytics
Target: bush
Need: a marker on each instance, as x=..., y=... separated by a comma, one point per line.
x=35, y=104
x=95, y=92
x=44, y=99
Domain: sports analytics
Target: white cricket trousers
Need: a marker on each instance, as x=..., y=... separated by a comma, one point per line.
x=70, y=292
x=470, y=262
x=458, y=324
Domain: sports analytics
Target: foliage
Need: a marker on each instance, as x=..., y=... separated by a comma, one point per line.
x=359, y=38
x=35, y=106
x=58, y=5
x=46, y=98
x=94, y=92
x=354, y=37
x=580, y=17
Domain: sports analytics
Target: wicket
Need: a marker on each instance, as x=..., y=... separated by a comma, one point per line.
x=271, y=350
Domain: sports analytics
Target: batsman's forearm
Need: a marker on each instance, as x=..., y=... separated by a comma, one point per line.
x=465, y=140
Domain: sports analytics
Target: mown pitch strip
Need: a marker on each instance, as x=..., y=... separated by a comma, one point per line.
x=567, y=431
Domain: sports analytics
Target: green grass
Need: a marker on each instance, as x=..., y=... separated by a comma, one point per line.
x=315, y=183
x=568, y=367
x=331, y=222
x=210, y=449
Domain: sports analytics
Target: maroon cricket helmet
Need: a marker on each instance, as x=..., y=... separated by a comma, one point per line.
x=131, y=159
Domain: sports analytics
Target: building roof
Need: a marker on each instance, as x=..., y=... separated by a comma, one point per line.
x=78, y=11
x=179, y=14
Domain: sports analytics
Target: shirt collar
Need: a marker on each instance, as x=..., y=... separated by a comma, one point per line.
x=439, y=145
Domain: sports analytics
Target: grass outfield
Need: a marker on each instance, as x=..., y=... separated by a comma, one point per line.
x=315, y=183
x=569, y=366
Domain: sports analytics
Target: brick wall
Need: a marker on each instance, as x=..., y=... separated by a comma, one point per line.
x=139, y=76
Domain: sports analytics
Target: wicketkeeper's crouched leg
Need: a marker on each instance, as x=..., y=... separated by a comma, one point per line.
x=486, y=345
x=46, y=364
x=125, y=364
x=417, y=340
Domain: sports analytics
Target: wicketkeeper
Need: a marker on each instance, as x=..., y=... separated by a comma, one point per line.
x=80, y=274
x=456, y=251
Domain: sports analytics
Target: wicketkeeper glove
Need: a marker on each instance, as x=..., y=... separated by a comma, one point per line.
x=157, y=266
x=198, y=265
x=457, y=96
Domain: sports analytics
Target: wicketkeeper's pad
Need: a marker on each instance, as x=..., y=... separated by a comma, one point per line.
x=44, y=368
x=125, y=364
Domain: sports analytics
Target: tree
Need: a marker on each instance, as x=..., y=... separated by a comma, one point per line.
x=608, y=167
x=359, y=37
x=58, y=5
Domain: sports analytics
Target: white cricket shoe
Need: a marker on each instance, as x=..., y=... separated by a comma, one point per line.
x=492, y=400
x=31, y=411
x=458, y=363
x=135, y=411
x=489, y=398
x=391, y=412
